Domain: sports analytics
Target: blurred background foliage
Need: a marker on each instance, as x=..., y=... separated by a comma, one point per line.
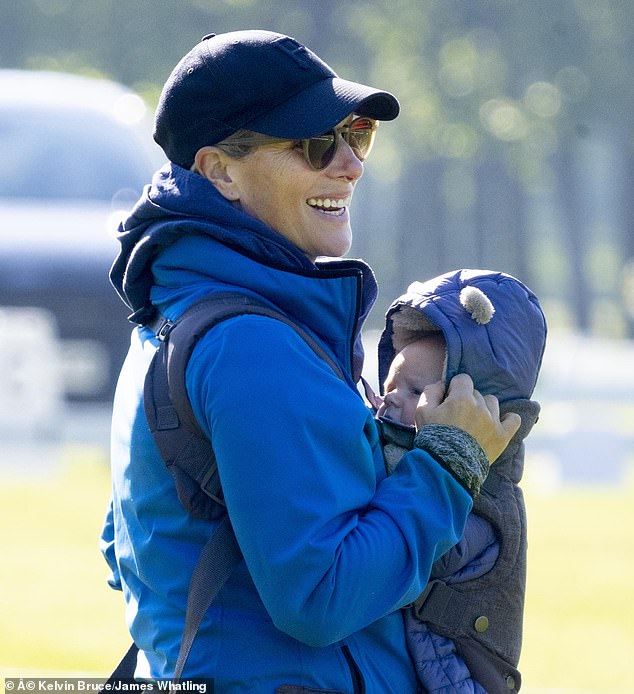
x=514, y=150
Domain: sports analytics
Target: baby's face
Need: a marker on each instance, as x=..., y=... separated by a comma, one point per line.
x=416, y=366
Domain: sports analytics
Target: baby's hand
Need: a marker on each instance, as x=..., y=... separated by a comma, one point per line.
x=465, y=408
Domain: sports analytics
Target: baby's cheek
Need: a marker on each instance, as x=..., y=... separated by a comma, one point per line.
x=409, y=410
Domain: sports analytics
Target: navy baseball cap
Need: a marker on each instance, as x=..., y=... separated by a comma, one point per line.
x=260, y=81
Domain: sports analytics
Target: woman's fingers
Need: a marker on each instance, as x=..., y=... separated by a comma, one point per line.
x=469, y=410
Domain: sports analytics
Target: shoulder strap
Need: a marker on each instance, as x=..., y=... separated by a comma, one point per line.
x=220, y=555
x=124, y=670
x=185, y=449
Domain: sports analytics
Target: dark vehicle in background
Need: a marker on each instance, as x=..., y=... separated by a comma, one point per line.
x=76, y=153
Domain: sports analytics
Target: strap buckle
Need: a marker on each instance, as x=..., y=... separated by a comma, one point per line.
x=164, y=330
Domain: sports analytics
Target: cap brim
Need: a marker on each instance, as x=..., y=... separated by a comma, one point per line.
x=321, y=106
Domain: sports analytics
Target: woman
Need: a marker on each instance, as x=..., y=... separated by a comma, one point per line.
x=266, y=146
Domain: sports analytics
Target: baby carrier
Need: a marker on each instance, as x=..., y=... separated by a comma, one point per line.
x=483, y=616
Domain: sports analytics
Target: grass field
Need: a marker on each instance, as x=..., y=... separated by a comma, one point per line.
x=57, y=613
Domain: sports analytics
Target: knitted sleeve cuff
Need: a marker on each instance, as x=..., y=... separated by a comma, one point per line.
x=458, y=452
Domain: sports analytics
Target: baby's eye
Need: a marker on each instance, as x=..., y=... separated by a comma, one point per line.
x=416, y=391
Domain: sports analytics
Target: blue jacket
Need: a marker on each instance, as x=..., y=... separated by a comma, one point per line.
x=332, y=547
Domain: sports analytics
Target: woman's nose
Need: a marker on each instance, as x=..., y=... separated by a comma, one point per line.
x=345, y=163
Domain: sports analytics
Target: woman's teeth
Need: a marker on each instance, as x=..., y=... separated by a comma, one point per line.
x=329, y=205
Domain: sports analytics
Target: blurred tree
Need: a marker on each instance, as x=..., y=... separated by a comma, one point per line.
x=533, y=99
x=514, y=149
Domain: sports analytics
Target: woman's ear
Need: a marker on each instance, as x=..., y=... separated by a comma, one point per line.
x=211, y=163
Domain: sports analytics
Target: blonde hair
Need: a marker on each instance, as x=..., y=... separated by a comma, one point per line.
x=241, y=143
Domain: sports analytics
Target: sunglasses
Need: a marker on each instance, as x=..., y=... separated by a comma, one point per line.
x=320, y=150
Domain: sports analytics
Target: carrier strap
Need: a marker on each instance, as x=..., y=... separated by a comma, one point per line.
x=217, y=560
x=124, y=670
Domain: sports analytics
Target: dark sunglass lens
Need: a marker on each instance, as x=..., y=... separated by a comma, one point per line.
x=360, y=137
x=360, y=143
x=320, y=150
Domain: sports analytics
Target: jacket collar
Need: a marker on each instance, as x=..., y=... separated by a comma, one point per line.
x=183, y=239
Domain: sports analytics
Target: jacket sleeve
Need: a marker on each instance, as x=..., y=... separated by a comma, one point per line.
x=331, y=544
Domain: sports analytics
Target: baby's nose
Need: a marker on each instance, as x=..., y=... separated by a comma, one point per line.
x=393, y=398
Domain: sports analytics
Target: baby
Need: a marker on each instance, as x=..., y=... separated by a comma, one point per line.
x=418, y=365
x=465, y=631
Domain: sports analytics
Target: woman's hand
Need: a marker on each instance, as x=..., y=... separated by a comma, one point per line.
x=465, y=408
